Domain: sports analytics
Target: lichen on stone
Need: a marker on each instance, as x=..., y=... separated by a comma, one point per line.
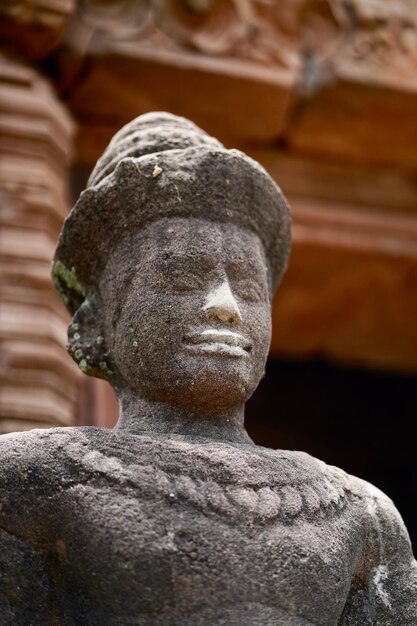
x=85, y=368
x=66, y=281
x=105, y=368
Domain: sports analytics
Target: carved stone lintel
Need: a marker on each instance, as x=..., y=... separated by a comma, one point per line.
x=377, y=35
x=33, y=28
x=321, y=77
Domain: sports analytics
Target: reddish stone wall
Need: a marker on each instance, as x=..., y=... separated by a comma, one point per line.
x=39, y=383
x=324, y=94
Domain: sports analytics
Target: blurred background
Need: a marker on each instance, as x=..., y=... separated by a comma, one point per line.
x=324, y=94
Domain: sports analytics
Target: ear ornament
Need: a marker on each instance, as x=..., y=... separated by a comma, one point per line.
x=86, y=345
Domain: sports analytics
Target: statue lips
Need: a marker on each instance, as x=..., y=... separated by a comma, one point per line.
x=221, y=342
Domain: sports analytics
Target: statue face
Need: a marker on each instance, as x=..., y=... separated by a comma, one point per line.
x=188, y=313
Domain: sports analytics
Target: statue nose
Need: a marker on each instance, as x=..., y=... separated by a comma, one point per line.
x=221, y=304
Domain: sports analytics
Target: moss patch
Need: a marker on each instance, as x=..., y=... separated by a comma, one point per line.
x=70, y=289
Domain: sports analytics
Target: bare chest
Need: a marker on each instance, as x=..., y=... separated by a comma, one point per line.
x=158, y=541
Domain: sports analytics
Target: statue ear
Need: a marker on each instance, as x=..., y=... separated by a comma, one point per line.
x=86, y=340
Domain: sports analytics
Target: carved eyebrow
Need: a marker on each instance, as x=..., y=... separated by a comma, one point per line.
x=254, y=265
x=193, y=257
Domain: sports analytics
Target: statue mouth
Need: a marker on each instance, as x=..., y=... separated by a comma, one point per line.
x=222, y=342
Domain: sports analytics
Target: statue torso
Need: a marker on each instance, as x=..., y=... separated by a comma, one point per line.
x=140, y=530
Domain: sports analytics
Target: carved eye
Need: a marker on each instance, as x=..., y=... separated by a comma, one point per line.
x=184, y=282
x=250, y=290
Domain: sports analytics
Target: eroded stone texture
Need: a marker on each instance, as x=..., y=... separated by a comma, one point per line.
x=168, y=263
x=131, y=529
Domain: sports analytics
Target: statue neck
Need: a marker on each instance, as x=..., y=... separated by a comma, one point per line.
x=140, y=416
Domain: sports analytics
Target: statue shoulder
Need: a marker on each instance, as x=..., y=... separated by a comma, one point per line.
x=383, y=520
x=36, y=468
x=40, y=460
x=326, y=490
x=31, y=467
x=378, y=513
x=23, y=453
x=385, y=534
x=388, y=536
x=304, y=468
x=306, y=486
x=386, y=581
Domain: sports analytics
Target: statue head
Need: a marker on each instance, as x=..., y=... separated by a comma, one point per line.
x=168, y=263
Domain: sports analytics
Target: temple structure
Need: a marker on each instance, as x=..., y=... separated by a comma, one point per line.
x=323, y=94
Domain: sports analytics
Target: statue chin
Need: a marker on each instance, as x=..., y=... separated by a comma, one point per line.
x=207, y=391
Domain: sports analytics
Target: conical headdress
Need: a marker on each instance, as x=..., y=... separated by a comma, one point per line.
x=161, y=165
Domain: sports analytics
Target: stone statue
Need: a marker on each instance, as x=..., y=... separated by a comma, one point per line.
x=168, y=263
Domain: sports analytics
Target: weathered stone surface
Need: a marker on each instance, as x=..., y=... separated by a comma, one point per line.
x=135, y=529
x=168, y=263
